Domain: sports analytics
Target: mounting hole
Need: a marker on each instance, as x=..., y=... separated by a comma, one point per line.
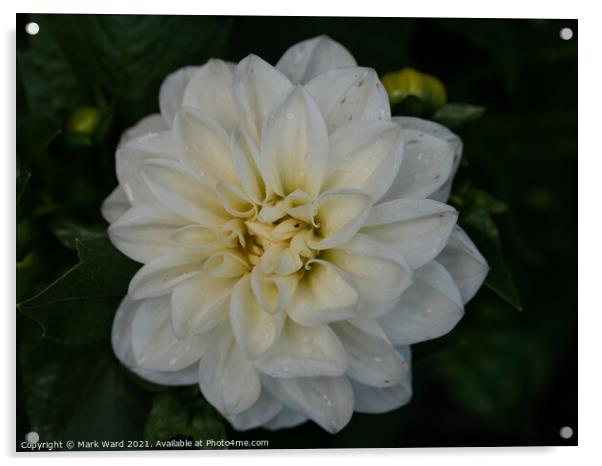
x=566, y=33
x=32, y=28
x=566, y=432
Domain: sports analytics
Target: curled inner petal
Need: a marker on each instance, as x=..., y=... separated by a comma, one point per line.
x=226, y=264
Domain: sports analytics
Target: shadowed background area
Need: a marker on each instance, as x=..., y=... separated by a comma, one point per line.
x=504, y=376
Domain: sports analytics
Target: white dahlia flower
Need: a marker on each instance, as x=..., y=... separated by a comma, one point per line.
x=294, y=237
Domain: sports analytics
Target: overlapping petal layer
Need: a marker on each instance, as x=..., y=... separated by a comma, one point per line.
x=294, y=237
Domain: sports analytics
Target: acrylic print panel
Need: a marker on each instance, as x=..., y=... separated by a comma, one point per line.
x=295, y=232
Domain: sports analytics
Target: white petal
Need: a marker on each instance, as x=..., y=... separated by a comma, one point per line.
x=177, y=188
x=419, y=229
x=426, y=167
x=328, y=401
x=464, y=262
x=309, y=58
x=286, y=419
x=372, y=358
x=273, y=292
x=265, y=409
x=283, y=259
x=295, y=145
x=210, y=91
x=204, y=145
x=228, y=381
x=365, y=155
x=121, y=340
x=349, y=94
x=254, y=329
x=304, y=352
x=441, y=132
x=286, y=229
x=115, y=205
x=228, y=263
x=130, y=157
x=232, y=233
x=430, y=308
x=379, y=272
x=149, y=124
x=154, y=344
x=258, y=87
x=172, y=91
x=199, y=238
x=325, y=294
x=199, y=304
x=429, y=127
x=339, y=214
x=143, y=232
x=235, y=201
x=162, y=274
x=250, y=168
x=373, y=400
x=297, y=204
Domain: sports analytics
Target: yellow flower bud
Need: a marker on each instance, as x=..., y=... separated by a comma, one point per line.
x=84, y=121
x=410, y=82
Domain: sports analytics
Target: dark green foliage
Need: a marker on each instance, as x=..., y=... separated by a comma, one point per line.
x=79, y=306
x=500, y=378
x=78, y=393
x=476, y=210
x=454, y=115
x=183, y=413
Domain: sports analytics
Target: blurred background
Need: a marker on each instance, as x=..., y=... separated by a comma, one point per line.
x=507, y=375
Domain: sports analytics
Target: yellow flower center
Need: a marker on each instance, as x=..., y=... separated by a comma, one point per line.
x=272, y=236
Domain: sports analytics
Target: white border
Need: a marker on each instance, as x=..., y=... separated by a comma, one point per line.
x=590, y=229
x=440, y=8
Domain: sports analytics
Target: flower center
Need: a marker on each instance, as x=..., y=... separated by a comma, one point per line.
x=278, y=247
x=273, y=236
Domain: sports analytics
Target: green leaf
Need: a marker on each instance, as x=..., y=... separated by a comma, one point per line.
x=111, y=407
x=79, y=306
x=27, y=269
x=22, y=181
x=492, y=375
x=36, y=132
x=206, y=422
x=68, y=232
x=500, y=280
x=455, y=114
x=50, y=82
x=128, y=56
x=476, y=208
x=27, y=235
x=486, y=201
x=183, y=413
x=167, y=419
x=77, y=393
